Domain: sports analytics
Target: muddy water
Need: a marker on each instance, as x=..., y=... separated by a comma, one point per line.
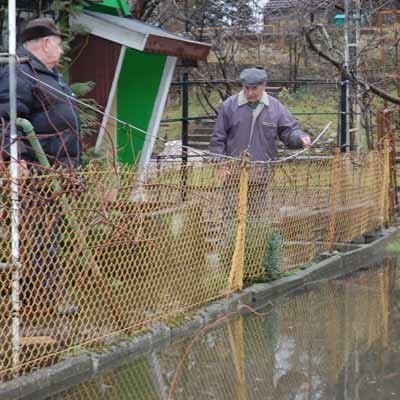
x=339, y=339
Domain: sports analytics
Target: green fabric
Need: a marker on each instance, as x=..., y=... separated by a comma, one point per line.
x=253, y=105
x=138, y=86
x=113, y=7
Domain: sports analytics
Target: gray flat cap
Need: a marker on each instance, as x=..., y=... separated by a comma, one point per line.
x=253, y=76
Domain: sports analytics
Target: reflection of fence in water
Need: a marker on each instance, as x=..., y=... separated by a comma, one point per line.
x=300, y=347
x=107, y=264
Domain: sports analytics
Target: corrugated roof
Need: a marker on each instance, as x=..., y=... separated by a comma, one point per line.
x=138, y=35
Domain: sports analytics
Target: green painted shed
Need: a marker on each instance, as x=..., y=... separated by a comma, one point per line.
x=132, y=65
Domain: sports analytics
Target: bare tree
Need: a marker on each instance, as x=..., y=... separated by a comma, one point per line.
x=313, y=43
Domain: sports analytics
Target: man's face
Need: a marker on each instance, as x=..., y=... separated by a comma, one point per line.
x=52, y=50
x=253, y=93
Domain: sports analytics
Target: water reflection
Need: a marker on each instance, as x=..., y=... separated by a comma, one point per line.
x=339, y=340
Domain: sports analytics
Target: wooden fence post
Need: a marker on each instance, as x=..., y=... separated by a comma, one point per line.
x=236, y=273
x=386, y=192
x=335, y=180
x=236, y=342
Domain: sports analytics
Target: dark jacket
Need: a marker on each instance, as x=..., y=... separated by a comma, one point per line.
x=240, y=128
x=52, y=115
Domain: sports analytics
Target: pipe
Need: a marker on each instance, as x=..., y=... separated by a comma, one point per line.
x=90, y=264
x=29, y=131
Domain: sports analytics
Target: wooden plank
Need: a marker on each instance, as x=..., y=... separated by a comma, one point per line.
x=37, y=340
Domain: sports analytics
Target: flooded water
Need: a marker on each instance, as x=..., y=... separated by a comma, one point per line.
x=339, y=339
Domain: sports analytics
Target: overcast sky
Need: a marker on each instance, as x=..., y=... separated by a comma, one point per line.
x=258, y=6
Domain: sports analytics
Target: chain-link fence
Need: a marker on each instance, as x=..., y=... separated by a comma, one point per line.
x=299, y=347
x=103, y=252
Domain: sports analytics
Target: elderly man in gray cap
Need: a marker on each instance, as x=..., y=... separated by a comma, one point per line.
x=252, y=121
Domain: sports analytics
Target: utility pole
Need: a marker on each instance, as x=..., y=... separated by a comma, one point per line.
x=185, y=110
x=358, y=99
x=185, y=97
x=345, y=91
x=351, y=94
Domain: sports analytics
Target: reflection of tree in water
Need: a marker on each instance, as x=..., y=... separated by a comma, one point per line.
x=304, y=348
x=374, y=374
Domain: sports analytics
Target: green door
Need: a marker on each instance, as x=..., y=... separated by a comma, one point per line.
x=138, y=86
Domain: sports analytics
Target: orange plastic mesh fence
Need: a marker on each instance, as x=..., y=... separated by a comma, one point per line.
x=103, y=252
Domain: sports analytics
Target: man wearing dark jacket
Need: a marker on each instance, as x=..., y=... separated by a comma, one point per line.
x=43, y=97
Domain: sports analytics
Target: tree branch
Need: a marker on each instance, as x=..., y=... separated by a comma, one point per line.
x=347, y=74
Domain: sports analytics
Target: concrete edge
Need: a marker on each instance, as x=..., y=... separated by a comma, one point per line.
x=69, y=372
x=59, y=377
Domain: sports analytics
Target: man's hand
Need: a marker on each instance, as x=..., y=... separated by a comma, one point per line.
x=223, y=173
x=305, y=141
x=23, y=169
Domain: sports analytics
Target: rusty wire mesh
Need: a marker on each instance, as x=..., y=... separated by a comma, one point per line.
x=300, y=346
x=103, y=252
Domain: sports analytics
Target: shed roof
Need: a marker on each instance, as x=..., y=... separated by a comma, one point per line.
x=283, y=5
x=140, y=36
x=279, y=4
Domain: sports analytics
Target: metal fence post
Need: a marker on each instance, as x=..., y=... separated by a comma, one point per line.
x=185, y=131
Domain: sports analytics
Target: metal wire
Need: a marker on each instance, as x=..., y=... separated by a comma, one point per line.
x=97, y=264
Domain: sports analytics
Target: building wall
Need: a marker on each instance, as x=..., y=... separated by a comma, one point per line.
x=94, y=59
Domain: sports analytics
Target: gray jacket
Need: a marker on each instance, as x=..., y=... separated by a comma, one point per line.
x=239, y=127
